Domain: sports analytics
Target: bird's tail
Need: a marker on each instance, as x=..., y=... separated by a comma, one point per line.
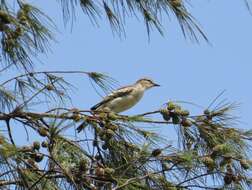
x=81, y=126
x=96, y=106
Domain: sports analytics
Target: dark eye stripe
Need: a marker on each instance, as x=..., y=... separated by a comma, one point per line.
x=148, y=80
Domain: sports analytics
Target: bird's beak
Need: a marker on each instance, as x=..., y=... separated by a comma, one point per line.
x=156, y=85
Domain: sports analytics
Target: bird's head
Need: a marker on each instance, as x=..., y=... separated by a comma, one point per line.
x=146, y=83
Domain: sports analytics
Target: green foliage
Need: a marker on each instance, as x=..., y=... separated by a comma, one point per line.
x=7, y=150
x=25, y=33
x=65, y=153
x=35, y=180
x=151, y=12
x=112, y=151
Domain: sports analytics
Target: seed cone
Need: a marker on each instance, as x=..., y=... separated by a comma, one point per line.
x=156, y=152
x=99, y=171
x=244, y=164
x=166, y=114
x=44, y=144
x=36, y=145
x=186, y=123
x=38, y=157
x=43, y=132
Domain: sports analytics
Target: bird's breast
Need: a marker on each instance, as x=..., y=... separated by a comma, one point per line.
x=121, y=104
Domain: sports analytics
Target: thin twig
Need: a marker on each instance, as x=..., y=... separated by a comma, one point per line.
x=9, y=131
x=148, y=113
x=131, y=180
x=45, y=72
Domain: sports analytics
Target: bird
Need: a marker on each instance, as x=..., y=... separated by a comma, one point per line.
x=125, y=98
x=122, y=99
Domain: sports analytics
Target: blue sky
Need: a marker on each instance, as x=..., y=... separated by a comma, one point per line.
x=187, y=71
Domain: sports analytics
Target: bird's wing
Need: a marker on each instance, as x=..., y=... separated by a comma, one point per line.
x=124, y=91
